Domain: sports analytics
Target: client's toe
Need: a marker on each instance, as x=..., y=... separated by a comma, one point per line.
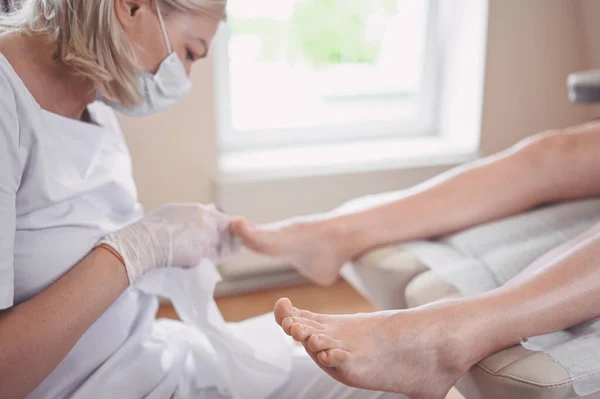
x=322, y=342
x=332, y=357
x=301, y=332
x=283, y=309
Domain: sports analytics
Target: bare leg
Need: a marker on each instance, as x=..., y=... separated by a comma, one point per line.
x=537, y=171
x=422, y=352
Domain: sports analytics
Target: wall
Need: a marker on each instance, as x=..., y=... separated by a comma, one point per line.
x=590, y=15
x=532, y=47
x=589, y=11
x=175, y=153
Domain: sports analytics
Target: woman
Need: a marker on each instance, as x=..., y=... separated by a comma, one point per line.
x=384, y=350
x=72, y=234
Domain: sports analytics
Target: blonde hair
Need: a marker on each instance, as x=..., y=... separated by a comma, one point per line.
x=90, y=40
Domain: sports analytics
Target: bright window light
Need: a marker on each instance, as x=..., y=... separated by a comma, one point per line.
x=309, y=70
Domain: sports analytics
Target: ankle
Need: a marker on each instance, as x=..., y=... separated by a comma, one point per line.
x=458, y=342
x=351, y=239
x=478, y=329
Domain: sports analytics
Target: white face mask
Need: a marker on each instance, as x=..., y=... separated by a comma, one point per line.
x=161, y=90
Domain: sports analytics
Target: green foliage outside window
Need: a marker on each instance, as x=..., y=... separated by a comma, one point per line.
x=322, y=32
x=335, y=31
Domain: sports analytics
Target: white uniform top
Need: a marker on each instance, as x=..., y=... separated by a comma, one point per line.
x=64, y=184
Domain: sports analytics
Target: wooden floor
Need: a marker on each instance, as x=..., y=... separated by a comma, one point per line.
x=338, y=299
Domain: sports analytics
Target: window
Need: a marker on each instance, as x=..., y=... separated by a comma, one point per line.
x=298, y=71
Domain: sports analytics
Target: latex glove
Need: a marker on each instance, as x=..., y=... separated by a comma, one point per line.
x=179, y=235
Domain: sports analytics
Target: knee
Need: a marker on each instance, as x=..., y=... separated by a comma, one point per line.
x=546, y=150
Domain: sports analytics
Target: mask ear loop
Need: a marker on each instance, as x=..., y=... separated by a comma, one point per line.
x=164, y=28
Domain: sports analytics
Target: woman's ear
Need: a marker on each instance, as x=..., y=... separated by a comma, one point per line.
x=128, y=11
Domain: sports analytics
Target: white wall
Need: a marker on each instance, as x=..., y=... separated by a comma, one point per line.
x=532, y=47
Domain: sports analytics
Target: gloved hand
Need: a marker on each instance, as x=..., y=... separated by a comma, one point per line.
x=179, y=235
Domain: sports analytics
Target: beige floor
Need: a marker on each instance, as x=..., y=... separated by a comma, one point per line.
x=339, y=299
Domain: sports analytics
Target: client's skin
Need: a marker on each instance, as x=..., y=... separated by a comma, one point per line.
x=422, y=352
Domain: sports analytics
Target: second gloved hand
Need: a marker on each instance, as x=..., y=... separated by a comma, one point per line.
x=179, y=235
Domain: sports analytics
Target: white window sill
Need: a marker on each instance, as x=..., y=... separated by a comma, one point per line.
x=341, y=158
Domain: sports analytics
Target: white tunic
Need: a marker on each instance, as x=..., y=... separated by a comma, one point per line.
x=64, y=184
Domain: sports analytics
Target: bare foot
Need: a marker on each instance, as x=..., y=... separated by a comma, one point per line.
x=409, y=352
x=315, y=248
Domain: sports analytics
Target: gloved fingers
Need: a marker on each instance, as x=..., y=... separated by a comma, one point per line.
x=175, y=235
x=229, y=245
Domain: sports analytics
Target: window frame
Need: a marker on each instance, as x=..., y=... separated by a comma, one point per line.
x=425, y=125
